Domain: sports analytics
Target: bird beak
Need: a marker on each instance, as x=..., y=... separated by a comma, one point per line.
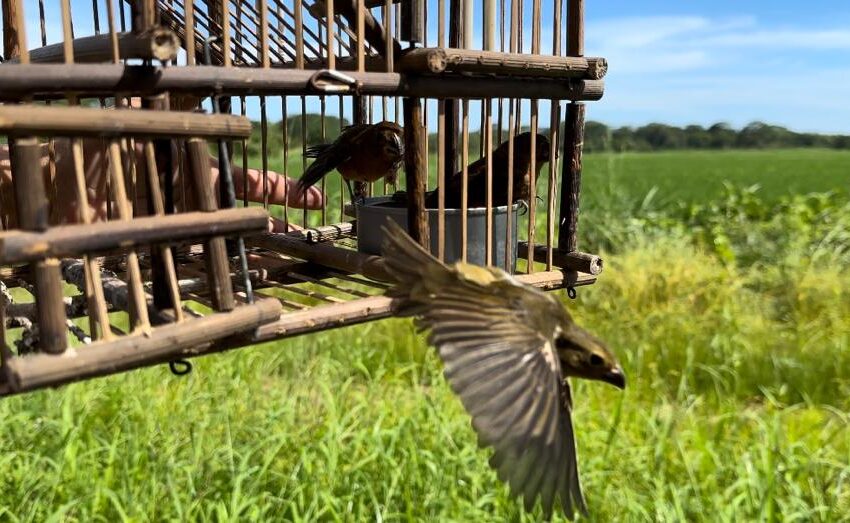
x=615, y=377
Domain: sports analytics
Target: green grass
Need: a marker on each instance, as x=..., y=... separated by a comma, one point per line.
x=736, y=409
x=696, y=176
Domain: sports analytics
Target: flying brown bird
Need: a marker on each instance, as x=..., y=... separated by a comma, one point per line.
x=507, y=349
x=362, y=153
x=477, y=175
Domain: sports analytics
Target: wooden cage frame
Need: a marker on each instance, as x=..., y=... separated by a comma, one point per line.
x=149, y=262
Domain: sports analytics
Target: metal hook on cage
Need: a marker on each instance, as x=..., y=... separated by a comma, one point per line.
x=332, y=81
x=179, y=367
x=228, y=194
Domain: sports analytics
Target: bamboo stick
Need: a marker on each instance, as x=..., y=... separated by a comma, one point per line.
x=92, y=79
x=157, y=44
x=416, y=173
x=574, y=261
x=84, y=121
x=436, y=61
x=215, y=250
x=21, y=246
x=190, y=338
x=32, y=209
x=138, y=310
x=573, y=139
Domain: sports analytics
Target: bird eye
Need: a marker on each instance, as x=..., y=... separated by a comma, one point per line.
x=562, y=343
x=596, y=360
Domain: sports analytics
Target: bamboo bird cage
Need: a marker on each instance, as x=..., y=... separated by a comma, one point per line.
x=159, y=278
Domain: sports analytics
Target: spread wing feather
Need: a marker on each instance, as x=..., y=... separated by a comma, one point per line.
x=503, y=368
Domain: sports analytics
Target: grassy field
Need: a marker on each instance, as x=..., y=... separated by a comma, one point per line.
x=730, y=313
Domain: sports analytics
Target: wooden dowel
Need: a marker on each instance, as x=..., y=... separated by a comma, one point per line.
x=464, y=191
x=436, y=61
x=328, y=232
x=190, y=338
x=575, y=27
x=571, y=177
x=487, y=139
x=138, y=310
x=532, y=182
x=189, y=31
x=33, y=214
x=215, y=250
x=299, y=34
x=92, y=79
x=574, y=261
x=416, y=173
x=554, y=135
x=157, y=44
x=17, y=246
x=264, y=34
x=16, y=120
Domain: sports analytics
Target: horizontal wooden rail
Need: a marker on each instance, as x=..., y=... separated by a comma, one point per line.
x=371, y=266
x=55, y=120
x=18, y=81
x=574, y=261
x=376, y=307
x=346, y=260
x=188, y=338
x=18, y=246
x=157, y=44
x=437, y=61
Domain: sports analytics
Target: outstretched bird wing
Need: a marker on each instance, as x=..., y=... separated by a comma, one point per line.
x=494, y=336
x=329, y=157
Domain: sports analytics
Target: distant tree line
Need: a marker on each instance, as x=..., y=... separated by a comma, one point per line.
x=598, y=136
x=656, y=137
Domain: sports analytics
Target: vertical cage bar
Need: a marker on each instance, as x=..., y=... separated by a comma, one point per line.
x=361, y=23
x=264, y=33
x=284, y=128
x=573, y=139
x=264, y=149
x=189, y=30
x=388, y=32
x=215, y=250
x=487, y=138
x=415, y=171
x=441, y=178
x=33, y=213
x=464, y=191
x=157, y=208
x=509, y=228
x=297, y=9
x=329, y=22
x=138, y=303
x=223, y=18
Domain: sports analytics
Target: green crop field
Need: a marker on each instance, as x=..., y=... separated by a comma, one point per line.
x=728, y=306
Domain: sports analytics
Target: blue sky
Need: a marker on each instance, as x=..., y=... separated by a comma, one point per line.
x=680, y=61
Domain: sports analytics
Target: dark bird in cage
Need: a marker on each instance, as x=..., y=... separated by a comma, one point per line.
x=507, y=349
x=362, y=153
x=477, y=175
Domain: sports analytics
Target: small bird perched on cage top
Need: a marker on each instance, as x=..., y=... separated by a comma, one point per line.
x=362, y=153
x=477, y=175
x=508, y=349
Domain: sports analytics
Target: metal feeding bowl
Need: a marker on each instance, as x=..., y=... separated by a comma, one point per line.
x=373, y=212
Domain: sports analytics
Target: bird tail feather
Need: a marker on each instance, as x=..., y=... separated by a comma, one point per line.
x=315, y=151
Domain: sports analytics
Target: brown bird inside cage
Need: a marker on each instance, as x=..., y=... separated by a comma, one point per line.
x=508, y=350
x=362, y=153
x=477, y=176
